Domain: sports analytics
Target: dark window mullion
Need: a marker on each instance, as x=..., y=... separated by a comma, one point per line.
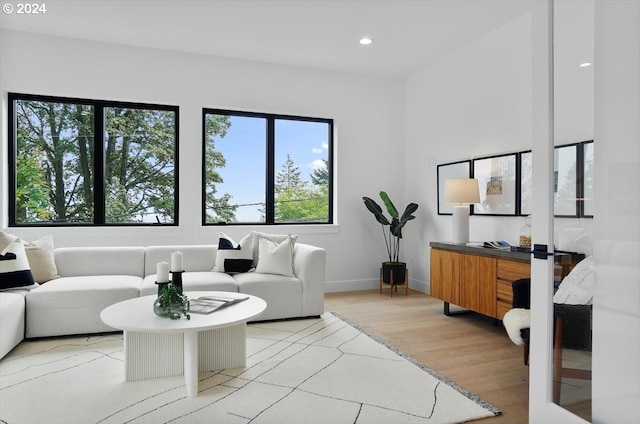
x=13, y=158
x=330, y=170
x=580, y=166
x=99, y=203
x=271, y=175
x=176, y=166
x=519, y=184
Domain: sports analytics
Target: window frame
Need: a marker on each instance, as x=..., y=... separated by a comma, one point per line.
x=99, y=183
x=271, y=172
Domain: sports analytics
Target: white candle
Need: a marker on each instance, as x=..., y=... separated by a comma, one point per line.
x=176, y=262
x=162, y=269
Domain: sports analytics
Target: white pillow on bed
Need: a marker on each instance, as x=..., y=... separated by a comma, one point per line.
x=577, y=287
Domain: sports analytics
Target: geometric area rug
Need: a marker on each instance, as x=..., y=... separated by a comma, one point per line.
x=320, y=370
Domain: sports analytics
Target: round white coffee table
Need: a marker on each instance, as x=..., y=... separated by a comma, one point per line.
x=160, y=347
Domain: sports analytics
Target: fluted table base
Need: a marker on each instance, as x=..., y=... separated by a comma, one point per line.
x=153, y=355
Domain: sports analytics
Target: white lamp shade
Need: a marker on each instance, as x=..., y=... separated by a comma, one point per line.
x=461, y=191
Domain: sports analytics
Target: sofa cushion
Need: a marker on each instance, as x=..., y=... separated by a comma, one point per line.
x=72, y=305
x=275, y=258
x=41, y=259
x=276, y=238
x=14, y=266
x=39, y=254
x=91, y=261
x=194, y=281
x=229, y=249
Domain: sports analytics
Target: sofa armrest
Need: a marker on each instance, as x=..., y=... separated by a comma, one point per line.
x=309, y=266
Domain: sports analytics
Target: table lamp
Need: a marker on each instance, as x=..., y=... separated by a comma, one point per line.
x=461, y=192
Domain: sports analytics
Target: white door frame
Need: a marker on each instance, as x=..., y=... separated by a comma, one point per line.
x=541, y=407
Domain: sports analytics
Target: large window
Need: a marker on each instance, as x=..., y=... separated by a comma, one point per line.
x=92, y=162
x=266, y=169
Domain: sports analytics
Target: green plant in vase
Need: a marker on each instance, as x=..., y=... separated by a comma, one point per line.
x=172, y=303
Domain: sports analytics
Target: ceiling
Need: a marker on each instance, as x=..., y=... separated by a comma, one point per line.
x=407, y=34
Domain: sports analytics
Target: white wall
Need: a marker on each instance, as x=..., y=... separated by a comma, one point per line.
x=474, y=103
x=391, y=134
x=368, y=114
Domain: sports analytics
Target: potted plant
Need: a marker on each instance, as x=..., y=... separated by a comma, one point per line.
x=392, y=235
x=171, y=303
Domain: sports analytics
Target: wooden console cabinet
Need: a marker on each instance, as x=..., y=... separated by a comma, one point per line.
x=476, y=278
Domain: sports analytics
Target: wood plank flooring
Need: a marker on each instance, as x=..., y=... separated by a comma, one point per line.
x=468, y=349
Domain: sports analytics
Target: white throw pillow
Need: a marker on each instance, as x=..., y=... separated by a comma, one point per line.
x=275, y=258
x=14, y=266
x=276, y=238
x=577, y=287
x=39, y=254
x=242, y=250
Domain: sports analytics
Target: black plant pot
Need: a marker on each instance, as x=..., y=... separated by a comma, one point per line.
x=397, y=269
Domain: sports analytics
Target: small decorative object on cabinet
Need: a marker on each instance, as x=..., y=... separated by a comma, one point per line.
x=393, y=271
x=525, y=233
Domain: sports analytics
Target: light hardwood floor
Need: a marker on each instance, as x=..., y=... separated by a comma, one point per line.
x=468, y=349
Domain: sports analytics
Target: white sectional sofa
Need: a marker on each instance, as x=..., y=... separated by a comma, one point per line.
x=12, y=307
x=92, y=278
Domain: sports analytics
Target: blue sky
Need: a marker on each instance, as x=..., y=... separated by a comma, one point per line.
x=244, y=149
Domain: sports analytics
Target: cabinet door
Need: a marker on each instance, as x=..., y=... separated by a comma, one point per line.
x=469, y=284
x=478, y=284
x=445, y=275
x=487, y=286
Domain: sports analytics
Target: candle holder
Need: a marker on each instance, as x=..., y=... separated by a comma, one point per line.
x=162, y=286
x=176, y=279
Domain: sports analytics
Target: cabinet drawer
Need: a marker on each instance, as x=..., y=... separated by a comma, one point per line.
x=513, y=270
x=505, y=291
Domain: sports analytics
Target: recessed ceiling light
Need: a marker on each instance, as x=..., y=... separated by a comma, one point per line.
x=366, y=41
x=585, y=64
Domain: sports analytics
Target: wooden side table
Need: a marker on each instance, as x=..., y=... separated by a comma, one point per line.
x=395, y=286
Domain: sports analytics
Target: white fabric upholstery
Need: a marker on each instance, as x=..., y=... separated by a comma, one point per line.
x=75, y=261
x=194, y=281
x=194, y=257
x=72, y=305
x=12, y=310
x=283, y=294
x=309, y=266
